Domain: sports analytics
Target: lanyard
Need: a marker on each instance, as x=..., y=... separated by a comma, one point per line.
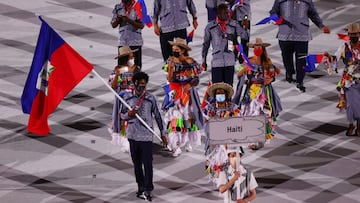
x=141, y=99
x=128, y=8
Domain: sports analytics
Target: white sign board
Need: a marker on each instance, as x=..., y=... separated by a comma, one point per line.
x=237, y=130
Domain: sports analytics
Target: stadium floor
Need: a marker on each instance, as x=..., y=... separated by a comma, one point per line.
x=309, y=160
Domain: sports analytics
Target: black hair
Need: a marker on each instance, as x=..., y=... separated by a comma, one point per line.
x=140, y=76
x=264, y=59
x=222, y=7
x=186, y=52
x=123, y=60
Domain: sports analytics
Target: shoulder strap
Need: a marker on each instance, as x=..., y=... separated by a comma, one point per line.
x=248, y=176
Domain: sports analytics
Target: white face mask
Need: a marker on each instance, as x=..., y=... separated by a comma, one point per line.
x=220, y=97
x=131, y=62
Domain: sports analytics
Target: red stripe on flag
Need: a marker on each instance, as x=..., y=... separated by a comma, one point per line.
x=38, y=120
x=319, y=58
x=137, y=8
x=69, y=69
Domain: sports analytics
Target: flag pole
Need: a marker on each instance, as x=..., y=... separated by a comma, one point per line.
x=126, y=104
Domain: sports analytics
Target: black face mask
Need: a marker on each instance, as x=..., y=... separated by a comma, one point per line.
x=140, y=88
x=127, y=2
x=176, y=54
x=354, y=40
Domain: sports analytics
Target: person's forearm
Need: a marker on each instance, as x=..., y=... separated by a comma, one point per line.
x=225, y=187
x=136, y=24
x=251, y=197
x=114, y=83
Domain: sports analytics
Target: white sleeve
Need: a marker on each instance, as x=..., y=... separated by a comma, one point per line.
x=253, y=183
x=222, y=179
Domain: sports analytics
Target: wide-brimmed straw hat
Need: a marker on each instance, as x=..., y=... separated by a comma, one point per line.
x=221, y=85
x=181, y=43
x=259, y=42
x=353, y=28
x=232, y=149
x=124, y=51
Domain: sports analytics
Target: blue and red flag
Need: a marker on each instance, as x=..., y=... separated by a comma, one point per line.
x=55, y=70
x=141, y=11
x=240, y=49
x=273, y=19
x=311, y=62
x=169, y=97
x=190, y=36
x=206, y=98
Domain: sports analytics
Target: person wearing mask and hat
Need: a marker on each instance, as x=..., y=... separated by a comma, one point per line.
x=234, y=174
x=121, y=81
x=220, y=105
x=260, y=96
x=350, y=82
x=222, y=34
x=221, y=108
x=294, y=35
x=126, y=17
x=140, y=137
x=173, y=21
x=182, y=117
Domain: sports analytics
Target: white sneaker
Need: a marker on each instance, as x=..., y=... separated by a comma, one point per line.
x=177, y=152
x=126, y=145
x=188, y=148
x=120, y=141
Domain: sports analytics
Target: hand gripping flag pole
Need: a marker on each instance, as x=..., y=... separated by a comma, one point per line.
x=127, y=105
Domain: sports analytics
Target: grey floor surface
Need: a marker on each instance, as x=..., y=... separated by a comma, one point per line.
x=310, y=160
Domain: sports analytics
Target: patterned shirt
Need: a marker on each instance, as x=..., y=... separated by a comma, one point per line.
x=184, y=73
x=222, y=52
x=247, y=183
x=173, y=14
x=231, y=110
x=128, y=34
x=297, y=14
x=147, y=108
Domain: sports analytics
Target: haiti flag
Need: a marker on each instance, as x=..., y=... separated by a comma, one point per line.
x=55, y=70
x=273, y=19
x=312, y=60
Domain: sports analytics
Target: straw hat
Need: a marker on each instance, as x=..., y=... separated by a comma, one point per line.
x=258, y=42
x=181, y=43
x=353, y=28
x=235, y=149
x=221, y=85
x=124, y=51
